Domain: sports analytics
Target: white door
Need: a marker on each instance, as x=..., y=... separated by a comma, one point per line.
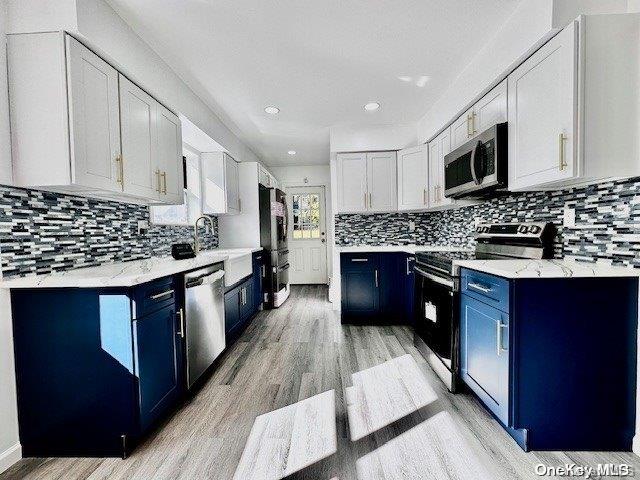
x=307, y=235
x=351, y=170
x=382, y=181
x=412, y=178
x=492, y=108
x=139, y=141
x=170, y=164
x=461, y=130
x=542, y=110
x=232, y=185
x=94, y=119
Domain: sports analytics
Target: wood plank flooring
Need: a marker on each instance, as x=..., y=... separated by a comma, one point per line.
x=290, y=354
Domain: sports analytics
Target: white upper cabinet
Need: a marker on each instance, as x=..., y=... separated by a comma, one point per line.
x=78, y=126
x=170, y=163
x=140, y=169
x=381, y=181
x=571, y=120
x=94, y=118
x=220, y=191
x=366, y=182
x=351, y=169
x=265, y=178
x=489, y=110
x=413, y=172
x=542, y=94
x=438, y=148
x=461, y=129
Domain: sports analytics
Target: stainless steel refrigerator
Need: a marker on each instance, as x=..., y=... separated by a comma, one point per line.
x=273, y=238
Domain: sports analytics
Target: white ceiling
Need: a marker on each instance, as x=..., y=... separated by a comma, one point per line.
x=319, y=61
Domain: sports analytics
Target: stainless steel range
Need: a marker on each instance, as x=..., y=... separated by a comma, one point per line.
x=437, y=319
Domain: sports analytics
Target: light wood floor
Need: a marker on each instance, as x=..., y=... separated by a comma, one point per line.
x=287, y=355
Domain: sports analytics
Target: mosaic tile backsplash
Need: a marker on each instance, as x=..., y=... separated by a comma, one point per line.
x=41, y=232
x=607, y=222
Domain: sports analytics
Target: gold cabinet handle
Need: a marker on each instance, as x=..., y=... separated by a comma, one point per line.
x=158, y=180
x=119, y=171
x=370, y=203
x=424, y=196
x=164, y=182
x=468, y=125
x=562, y=164
x=365, y=199
x=473, y=123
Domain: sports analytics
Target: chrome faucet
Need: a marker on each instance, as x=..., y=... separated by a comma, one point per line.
x=196, y=238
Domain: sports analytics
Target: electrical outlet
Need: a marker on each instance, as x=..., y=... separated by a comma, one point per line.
x=569, y=219
x=143, y=227
x=412, y=226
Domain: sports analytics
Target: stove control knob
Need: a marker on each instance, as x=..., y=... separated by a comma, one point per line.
x=535, y=229
x=522, y=229
x=479, y=229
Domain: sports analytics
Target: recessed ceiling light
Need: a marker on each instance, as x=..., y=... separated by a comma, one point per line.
x=271, y=110
x=291, y=152
x=371, y=106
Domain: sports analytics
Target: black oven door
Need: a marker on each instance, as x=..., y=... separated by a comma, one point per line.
x=435, y=311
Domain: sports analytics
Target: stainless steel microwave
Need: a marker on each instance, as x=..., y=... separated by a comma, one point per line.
x=478, y=168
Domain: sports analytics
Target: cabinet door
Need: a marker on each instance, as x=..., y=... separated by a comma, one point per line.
x=247, y=301
x=438, y=147
x=170, y=164
x=360, y=295
x=352, y=182
x=156, y=363
x=94, y=118
x=491, y=109
x=484, y=347
x=461, y=129
x=542, y=115
x=381, y=181
x=232, y=185
x=413, y=178
x=231, y=310
x=258, y=279
x=138, y=111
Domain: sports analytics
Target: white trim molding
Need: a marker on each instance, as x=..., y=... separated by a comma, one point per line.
x=10, y=456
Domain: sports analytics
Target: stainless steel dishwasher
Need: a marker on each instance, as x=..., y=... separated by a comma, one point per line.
x=204, y=316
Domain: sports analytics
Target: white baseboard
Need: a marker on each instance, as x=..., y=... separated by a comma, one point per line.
x=10, y=456
x=635, y=447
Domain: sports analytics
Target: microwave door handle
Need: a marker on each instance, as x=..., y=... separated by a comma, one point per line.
x=474, y=154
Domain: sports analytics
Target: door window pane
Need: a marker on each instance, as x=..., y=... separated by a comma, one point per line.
x=306, y=216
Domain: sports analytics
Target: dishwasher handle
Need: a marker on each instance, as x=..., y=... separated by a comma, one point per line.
x=205, y=279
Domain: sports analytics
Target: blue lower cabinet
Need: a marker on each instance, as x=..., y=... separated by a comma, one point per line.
x=377, y=288
x=92, y=376
x=259, y=273
x=484, y=343
x=553, y=359
x=157, y=363
x=239, y=308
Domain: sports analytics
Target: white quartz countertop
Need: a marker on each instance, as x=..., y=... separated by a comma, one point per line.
x=566, y=268
x=125, y=274
x=398, y=248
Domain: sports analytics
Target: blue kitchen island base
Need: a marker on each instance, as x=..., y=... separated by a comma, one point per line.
x=553, y=359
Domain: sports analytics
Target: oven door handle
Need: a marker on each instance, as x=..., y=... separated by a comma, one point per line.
x=434, y=278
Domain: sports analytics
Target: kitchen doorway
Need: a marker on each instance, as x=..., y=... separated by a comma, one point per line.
x=307, y=235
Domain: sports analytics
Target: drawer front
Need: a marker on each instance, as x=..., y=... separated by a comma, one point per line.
x=155, y=295
x=492, y=290
x=358, y=261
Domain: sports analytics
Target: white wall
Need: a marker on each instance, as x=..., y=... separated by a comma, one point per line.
x=633, y=6
x=370, y=138
x=10, y=451
x=316, y=176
